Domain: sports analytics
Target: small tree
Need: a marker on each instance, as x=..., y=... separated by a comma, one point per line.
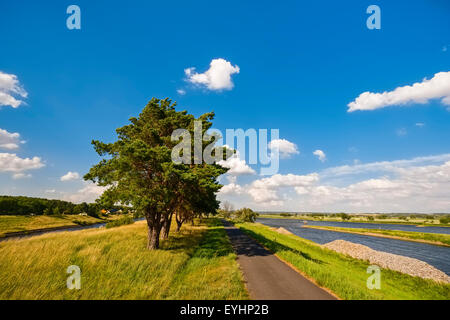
x=245, y=215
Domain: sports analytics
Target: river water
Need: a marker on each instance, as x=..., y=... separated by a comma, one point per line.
x=400, y=227
x=437, y=256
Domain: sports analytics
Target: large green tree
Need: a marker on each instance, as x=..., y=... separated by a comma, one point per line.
x=138, y=168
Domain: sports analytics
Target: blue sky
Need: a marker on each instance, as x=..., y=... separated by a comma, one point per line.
x=300, y=65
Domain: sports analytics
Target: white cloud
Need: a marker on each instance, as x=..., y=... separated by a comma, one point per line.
x=217, y=77
x=236, y=165
x=89, y=193
x=266, y=190
x=10, y=89
x=384, y=166
x=69, y=176
x=181, y=92
x=320, y=154
x=414, y=185
x=10, y=162
x=412, y=189
x=17, y=176
x=285, y=147
x=437, y=87
x=9, y=140
x=231, y=188
x=420, y=124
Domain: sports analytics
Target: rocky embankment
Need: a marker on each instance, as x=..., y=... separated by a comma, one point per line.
x=411, y=266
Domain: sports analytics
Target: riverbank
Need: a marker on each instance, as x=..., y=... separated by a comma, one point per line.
x=422, y=237
x=407, y=265
x=343, y=275
x=356, y=219
x=11, y=225
x=197, y=263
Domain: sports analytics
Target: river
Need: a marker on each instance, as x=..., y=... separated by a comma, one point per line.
x=437, y=256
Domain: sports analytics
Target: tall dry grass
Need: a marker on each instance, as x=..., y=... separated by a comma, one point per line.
x=115, y=264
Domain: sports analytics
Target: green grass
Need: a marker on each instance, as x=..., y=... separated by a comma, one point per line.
x=197, y=263
x=343, y=275
x=435, y=238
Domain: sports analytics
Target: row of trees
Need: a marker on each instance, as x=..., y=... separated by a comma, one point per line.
x=138, y=169
x=18, y=205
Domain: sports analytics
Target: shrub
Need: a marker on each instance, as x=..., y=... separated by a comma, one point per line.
x=285, y=214
x=245, y=215
x=445, y=220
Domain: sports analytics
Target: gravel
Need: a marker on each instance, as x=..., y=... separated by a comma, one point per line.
x=411, y=266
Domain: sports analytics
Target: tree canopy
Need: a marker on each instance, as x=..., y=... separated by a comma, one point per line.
x=138, y=168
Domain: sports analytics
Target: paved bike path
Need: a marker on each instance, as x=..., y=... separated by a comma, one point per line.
x=266, y=276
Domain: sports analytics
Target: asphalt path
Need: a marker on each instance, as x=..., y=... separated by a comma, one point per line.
x=266, y=276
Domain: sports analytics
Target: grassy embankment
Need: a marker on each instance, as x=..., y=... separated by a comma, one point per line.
x=432, y=238
x=197, y=263
x=361, y=219
x=343, y=275
x=27, y=223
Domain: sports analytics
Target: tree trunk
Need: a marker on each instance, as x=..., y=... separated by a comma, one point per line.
x=179, y=224
x=166, y=228
x=153, y=238
x=154, y=230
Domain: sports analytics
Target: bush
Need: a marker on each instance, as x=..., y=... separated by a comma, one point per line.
x=445, y=220
x=245, y=215
x=286, y=214
x=344, y=216
x=120, y=222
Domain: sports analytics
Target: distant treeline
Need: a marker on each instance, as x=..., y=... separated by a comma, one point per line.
x=18, y=205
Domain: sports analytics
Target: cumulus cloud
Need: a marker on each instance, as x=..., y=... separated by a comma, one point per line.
x=181, y=92
x=320, y=154
x=11, y=90
x=416, y=185
x=69, y=176
x=266, y=191
x=217, y=77
x=9, y=140
x=10, y=162
x=231, y=188
x=285, y=147
x=412, y=189
x=437, y=87
x=236, y=165
x=89, y=193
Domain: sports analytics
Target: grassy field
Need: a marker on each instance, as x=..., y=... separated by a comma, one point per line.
x=343, y=275
x=198, y=263
x=361, y=219
x=433, y=238
x=27, y=223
